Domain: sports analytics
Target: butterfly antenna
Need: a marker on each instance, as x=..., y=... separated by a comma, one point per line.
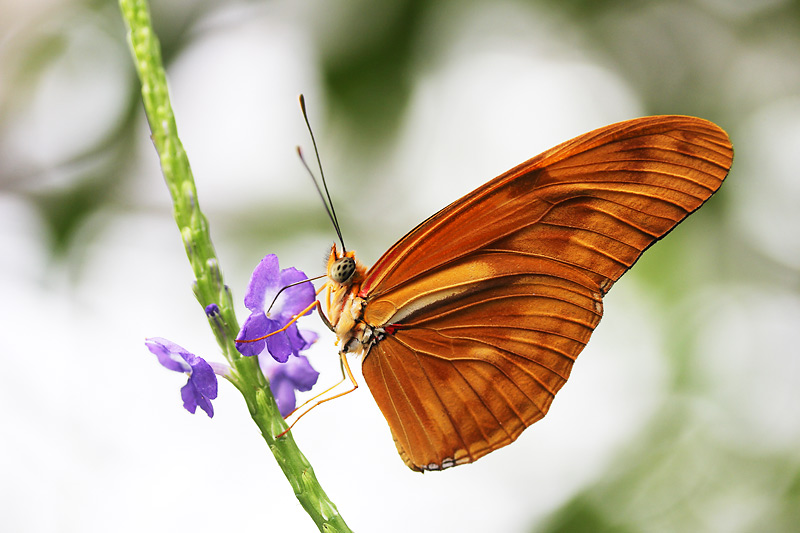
x=331, y=216
x=307, y=280
x=329, y=203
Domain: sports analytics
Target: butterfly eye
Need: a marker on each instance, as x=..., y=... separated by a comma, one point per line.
x=342, y=270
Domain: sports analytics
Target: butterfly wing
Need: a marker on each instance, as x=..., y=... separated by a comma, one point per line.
x=487, y=304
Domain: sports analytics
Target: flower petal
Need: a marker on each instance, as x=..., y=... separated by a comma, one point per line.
x=279, y=346
x=205, y=405
x=203, y=378
x=284, y=396
x=301, y=340
x=301, y=373
x=264, y=283
x=286, y=378
x=193, y=398
x=294, y=299
x=169, y=354
x=188, y=397
x=257, y=325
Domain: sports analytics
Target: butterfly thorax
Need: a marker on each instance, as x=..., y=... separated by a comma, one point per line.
x=345, y=308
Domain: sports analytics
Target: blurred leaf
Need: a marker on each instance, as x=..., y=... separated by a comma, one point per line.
x=63, y=210
x=586, y=10
x=369, y=85
x=581, y=516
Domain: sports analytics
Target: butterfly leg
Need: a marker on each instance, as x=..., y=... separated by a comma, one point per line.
x=324, y=318
x=314, y=304
x=346, y=374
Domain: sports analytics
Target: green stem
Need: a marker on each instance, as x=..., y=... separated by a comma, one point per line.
x=209, y=286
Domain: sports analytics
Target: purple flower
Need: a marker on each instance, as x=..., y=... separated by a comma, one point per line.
x=281, y=363
x=265, y=283
x=202, y=385
x=285, y=378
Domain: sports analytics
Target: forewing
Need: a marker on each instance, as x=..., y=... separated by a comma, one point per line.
x=595, y=202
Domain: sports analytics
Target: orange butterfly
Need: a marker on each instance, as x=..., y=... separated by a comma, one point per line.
x=470, y=324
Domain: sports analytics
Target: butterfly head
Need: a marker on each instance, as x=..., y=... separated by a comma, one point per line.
x=344, y=269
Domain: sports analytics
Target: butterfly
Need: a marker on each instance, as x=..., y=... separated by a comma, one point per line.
x=470, y=324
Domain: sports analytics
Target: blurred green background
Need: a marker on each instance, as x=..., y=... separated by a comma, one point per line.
x=683, y=413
